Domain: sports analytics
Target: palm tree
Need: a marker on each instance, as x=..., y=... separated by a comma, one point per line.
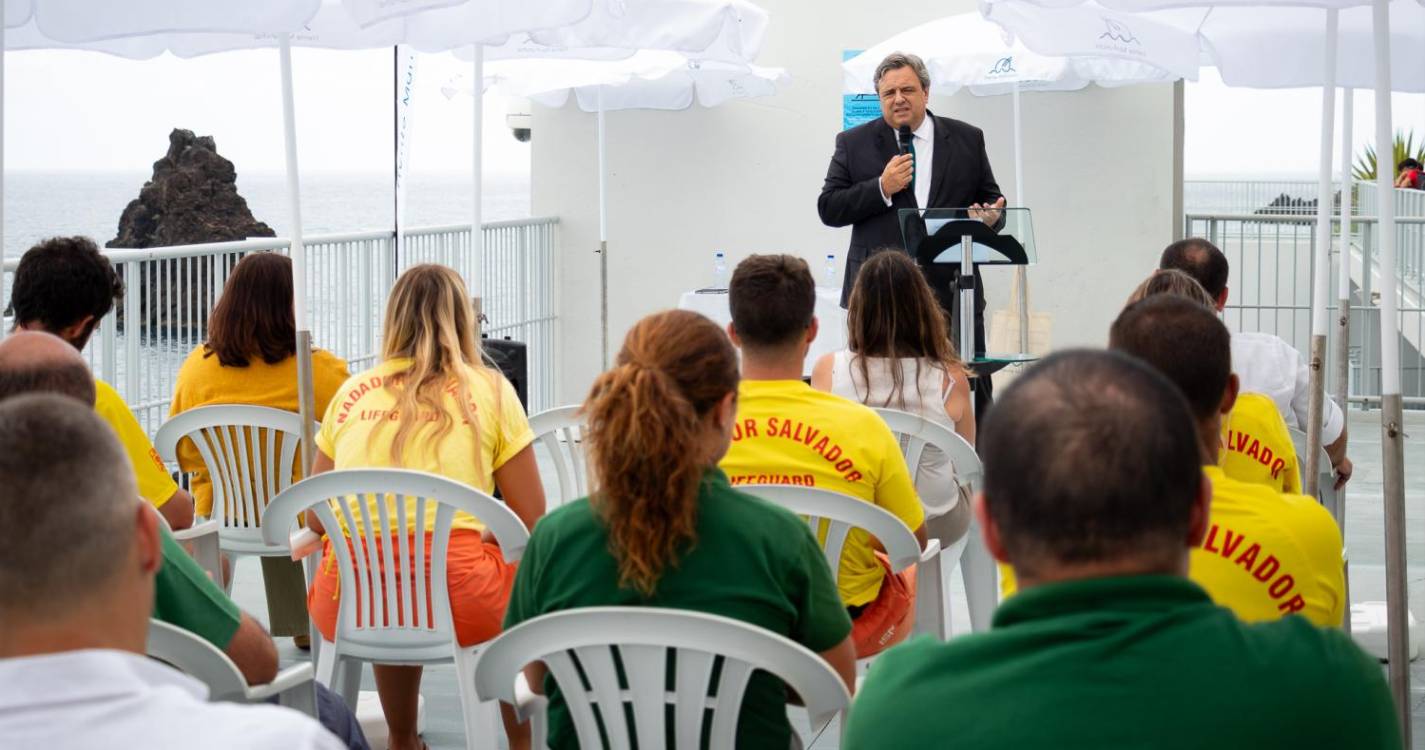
x=1365, y=167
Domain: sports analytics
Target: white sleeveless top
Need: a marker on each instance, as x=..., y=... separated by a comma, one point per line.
x=924, y=396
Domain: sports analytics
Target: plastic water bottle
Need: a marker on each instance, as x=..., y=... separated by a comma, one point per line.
x=829, y=273
x=719, y=270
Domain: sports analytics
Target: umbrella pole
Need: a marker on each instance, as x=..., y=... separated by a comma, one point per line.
x=603, y=238
x=477, y=170
x=1343, y=294
x=305, y=406
x=1321, y=267
x=1392, y=439
x=1020, y=272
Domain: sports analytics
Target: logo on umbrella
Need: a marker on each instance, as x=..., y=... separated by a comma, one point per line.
x=1003, y=66
x=1118, y=32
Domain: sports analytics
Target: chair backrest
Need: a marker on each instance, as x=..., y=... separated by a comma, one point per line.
x=837, y=515
x=249, y=453
x=915, y=433
x=1326, y=490
x=384, y=602
x=593, y=643
x=561, y=431
x=198, y=659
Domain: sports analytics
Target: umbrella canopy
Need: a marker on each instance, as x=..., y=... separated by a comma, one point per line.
x=1087, y=29
x=966, y=50
x=649, y=79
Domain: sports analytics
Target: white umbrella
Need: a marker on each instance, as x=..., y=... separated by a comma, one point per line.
x=1270, y=17
x=966, y=50
x=648, y=79
x=144, y=28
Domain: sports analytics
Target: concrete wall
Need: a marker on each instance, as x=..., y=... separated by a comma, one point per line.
x=1102, y=166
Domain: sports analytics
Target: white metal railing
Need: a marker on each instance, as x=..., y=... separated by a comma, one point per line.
x=1270, y=288
x=1289, y=197
x=170, y=291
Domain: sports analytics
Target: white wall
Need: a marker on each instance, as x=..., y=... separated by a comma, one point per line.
x=1102, y=167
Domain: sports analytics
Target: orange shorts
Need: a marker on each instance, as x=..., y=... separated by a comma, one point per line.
x=886, y=620
x=478, y=577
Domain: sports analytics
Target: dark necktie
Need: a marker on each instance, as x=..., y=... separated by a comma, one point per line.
x=910, y=149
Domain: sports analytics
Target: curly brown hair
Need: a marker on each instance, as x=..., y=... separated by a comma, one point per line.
x=644, y=428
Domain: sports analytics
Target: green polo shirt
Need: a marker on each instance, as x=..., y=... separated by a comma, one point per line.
x=184, y=595
x=1144, y=661
x=751, y=561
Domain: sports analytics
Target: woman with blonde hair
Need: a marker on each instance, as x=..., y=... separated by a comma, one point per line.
x=663, y=527
x=899, y=356
x=1174, y=282
x=432, y=405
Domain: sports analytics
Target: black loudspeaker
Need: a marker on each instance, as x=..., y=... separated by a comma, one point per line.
x=513, y=360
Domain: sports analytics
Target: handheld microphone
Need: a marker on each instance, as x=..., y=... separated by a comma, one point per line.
x=904, y=140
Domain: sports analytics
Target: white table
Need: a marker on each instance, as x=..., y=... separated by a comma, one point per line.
x=830, y=337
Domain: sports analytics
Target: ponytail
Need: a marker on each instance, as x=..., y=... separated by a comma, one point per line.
x=645, y=439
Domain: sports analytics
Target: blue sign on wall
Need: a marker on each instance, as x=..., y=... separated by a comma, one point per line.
x=857, y=108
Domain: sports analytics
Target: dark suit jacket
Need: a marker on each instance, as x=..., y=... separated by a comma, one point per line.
x=960, y=176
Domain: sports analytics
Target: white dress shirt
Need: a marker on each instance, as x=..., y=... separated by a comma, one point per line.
x=924, y=139
x=104, y=698
x=1268, y=365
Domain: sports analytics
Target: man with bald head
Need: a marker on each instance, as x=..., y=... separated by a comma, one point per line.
x=37, y=362
x=79, y=553
x=1094, y=493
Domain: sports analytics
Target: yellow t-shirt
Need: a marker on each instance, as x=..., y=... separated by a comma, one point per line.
x=1257, y=447
x=1268, y=554
x=788, y=433
x=203, y=381
x=155, y=484
x=466, y=454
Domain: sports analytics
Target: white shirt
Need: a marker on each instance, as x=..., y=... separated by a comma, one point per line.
x=104, y=698
x=1270, y=366
x=924, y=139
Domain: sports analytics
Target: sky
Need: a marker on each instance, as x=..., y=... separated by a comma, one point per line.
x=84, y=111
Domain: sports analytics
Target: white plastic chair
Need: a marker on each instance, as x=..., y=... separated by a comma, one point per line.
x=595, y=640
x=977, y=566
x=1326, y=490
x=249, y=453
x=206, y=663
x=411, y=634
x=201, y=542
x=839, y=514
x=561, y=431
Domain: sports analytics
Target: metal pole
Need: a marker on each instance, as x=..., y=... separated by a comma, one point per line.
x=396, y=154
x=1343, y=294
x=1021, y=273
x=305, y=407
x=603, y=237
x=477, y=223
x=1392, y=440
x=1321, y=268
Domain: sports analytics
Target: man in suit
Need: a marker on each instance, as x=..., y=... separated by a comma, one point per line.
x=870, y=180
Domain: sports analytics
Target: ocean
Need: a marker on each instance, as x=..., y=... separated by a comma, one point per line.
x=45, y=204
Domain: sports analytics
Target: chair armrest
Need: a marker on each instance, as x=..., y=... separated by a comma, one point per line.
x=304, y=542
x=931, y=551
x=295, y=676
x=196, y=531
x=531, y=707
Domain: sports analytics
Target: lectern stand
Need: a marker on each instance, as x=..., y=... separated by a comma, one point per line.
x=960, y=239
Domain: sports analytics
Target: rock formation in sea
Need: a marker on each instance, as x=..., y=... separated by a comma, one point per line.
x=191, y=198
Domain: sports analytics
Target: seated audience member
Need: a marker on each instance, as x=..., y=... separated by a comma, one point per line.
x=65, y=286
x=184, y=596
x=788, y=433
x=899, y=356
x=1409, y=174
x=1265, y=554
x=1256, y=444
x=1093, y=493
x=432, y=405
x=664, y=528
x=1264, y=363
x=78, y=556
x=250, y=358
